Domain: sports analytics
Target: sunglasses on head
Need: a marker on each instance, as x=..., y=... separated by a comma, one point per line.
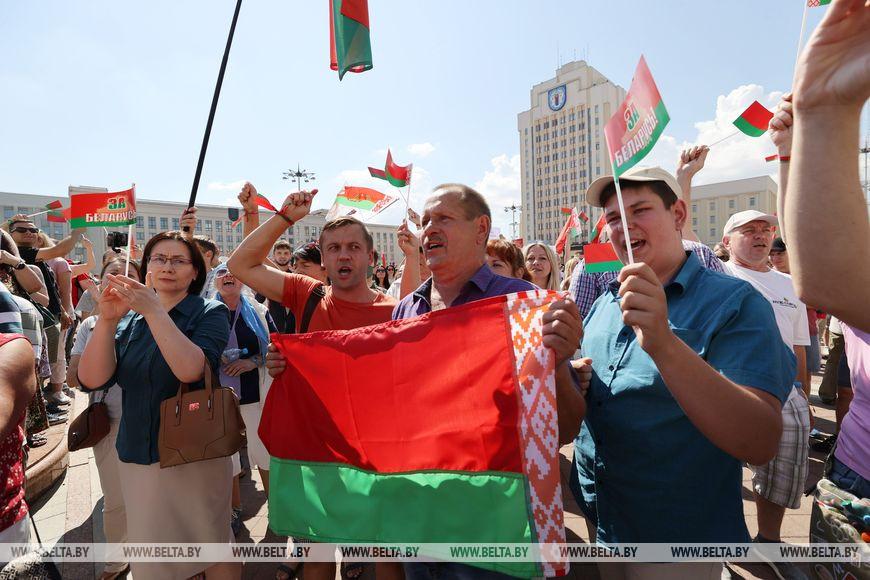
x=23, y=229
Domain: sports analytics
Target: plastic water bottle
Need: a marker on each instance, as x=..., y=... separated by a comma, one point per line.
x=233, y=354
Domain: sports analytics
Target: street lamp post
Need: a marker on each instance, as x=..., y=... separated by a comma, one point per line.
x=513, y=209
x=299, y=176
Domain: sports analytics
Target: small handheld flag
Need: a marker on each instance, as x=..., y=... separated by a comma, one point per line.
x=600, y=258
x=754, y=120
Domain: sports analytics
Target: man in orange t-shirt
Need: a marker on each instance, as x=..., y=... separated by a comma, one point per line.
x=347, y=250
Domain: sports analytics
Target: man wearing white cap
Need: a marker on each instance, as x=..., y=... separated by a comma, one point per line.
x=678, y=398
x=748, y=235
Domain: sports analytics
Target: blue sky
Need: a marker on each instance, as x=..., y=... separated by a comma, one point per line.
x=108, y=93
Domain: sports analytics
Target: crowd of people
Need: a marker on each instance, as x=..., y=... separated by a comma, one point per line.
x=672, y=373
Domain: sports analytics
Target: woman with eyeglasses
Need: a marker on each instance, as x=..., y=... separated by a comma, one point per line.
x=152, y=334
x=542, y=265
x=243, y=368
x=105, y=451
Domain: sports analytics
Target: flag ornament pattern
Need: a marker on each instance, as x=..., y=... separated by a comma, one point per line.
x=103, y=209
x=352, y=198
x=817, y=3
x=754, y=120
x=638, y=122
x=350, y=47
x=466, y=452
x=600, y=258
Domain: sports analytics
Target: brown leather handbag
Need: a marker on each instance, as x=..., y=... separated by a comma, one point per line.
x=89, y=427
x=199, y=425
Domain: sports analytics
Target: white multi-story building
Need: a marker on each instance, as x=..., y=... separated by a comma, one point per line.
x=562, y=147
x=153, y=216
x=714, y=203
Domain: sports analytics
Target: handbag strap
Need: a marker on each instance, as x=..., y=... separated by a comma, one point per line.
x=314, y=299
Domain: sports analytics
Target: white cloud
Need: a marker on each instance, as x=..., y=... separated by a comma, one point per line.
x=226, y=185
x=737, y=156
x=500, y=186
x=421, y=149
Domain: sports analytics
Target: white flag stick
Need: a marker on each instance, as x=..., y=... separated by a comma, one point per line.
x=621, y=208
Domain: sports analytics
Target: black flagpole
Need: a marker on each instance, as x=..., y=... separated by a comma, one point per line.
x=214, y=102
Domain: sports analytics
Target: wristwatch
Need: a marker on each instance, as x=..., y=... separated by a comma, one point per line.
x=20, y=265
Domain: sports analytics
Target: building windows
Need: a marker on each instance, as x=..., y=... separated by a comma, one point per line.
x=712, y=220
x=174, y=223
x=752, y=201
x=208, y=226
x=8, y=211
x=220, y=237
x=694, y=208
x=712, y=206
x=198, y=226
x=140, y=236
x=730, y=204
x=694, y=221
x=152, y=222
x=140, y=221
x=712, y=232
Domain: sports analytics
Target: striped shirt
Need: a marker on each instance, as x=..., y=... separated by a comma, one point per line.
x=10, y=314
x=586, y=288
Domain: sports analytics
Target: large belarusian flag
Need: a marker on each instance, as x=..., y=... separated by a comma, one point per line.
x=89, y=210
x=463, y=451
x=754, y=120
x=350, y=47
x=638, y=122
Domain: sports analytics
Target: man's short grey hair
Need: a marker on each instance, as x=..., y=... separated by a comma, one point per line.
x=472, y=201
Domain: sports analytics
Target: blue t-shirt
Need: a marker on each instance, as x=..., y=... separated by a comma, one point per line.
x=145, y=377
x=646, y=473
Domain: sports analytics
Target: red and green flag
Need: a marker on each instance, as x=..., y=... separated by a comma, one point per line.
x=354, y=199
x=754, y=120
x=583, y=217
x=58, y=215
x=600, y=258
x=638, y=122
x=567, y=210
x=350, y=47
x=398, y=175
x=56, y=204
x=461, y=452
x=595, y=235
x=572, y=224
x=103, y=209
x=817, y=3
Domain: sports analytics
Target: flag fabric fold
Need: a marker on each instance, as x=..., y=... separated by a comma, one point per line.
x=398, y=175
x=595, y=234
x=465, y=451
x=60, y=216
x=350, y=47
x=754, y=120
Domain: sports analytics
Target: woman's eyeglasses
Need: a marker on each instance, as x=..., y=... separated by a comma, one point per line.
x=159, y=260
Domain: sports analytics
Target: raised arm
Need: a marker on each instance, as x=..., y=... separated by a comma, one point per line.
x=251, y=220
x=691, y=162
x=409, y=243
x=825, y=209
x=63, y=247
x=247, y=261
x=90, y=264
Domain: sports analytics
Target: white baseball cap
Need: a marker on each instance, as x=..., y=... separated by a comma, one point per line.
x=639, y=174
x=741, y=218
